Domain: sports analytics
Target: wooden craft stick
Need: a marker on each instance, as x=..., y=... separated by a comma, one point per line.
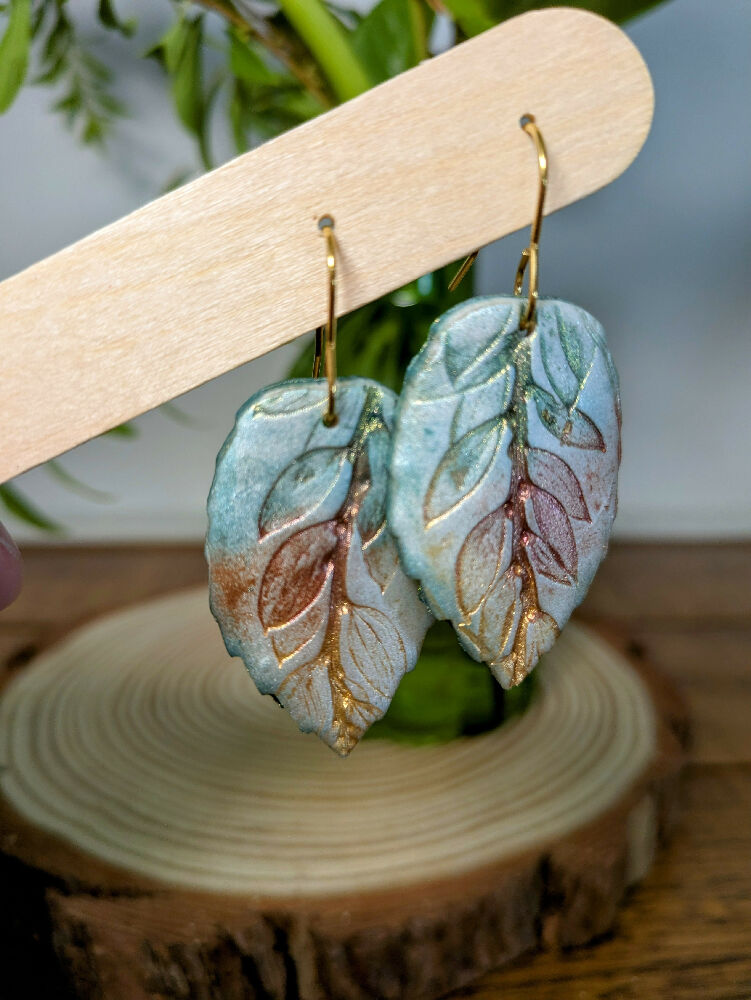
x=416, y=172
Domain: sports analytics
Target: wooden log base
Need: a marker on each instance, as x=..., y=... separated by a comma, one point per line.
x=175, y=837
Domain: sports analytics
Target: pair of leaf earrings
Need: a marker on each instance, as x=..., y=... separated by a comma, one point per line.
x=339, y=513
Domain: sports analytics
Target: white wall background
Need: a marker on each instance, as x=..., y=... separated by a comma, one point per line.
x=662, y=257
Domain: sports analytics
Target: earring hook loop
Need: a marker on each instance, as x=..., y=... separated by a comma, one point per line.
x=325, y=343
x=530, y=254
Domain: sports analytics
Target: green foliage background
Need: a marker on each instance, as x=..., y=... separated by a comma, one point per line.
x=279, y=66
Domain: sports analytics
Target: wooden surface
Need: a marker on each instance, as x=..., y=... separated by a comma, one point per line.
x=413, y=872
x=416, y=172
x=686, y=933
x=273, y=815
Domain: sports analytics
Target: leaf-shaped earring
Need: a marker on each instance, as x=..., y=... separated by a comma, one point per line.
x=304, y=574
x=505, y=464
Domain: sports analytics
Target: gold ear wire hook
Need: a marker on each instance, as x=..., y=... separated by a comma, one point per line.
x=327, y=334
x=318, y=352
x=464, y=268
x=530, y=254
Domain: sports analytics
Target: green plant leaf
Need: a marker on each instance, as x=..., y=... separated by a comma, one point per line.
x=177, y=179
x=186, y=66
x=71, y=482
x=55, y=48
x=379, y=340
x=247, y=65
x=180, y=53
x=14, y=52
x=614, y=10
x=122, y=430
x=391, y=38
x=448, y=695
x=85, y=102
x=22, y=509
x=472, y=16
x=37, y=19
x=330, y=44
x=238, y=116
x=302, y=106
x=179, y=416
x=109, y=18
x=257, y=113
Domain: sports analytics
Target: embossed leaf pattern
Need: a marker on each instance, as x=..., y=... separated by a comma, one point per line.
x=371, y=515
x=570, y=426
x=578, y=348
x=567, y=358
x=372, y=659
x=480, y=559
x=534, y=636
x=285, y=401
x=462, y=469
x=482, y=403
x=546, y=560
x=552, y=473
x=361, y=651
x=302, y=632
x=468, y=364
x=318, y=605
x=382, y=557
x=498, y=589
x=379, y=548
x=296, y=574
x=554, y=527
x=501, y=609
x=524, y=557
x=301, y=487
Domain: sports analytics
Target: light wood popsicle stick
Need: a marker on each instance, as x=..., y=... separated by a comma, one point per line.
x=416, y=172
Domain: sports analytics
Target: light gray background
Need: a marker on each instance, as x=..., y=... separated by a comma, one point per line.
x=662, y=257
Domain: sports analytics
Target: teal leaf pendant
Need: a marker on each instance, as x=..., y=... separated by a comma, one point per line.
x=304, y=574
x=504, y=473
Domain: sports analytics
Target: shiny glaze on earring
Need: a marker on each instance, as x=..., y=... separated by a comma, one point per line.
x=304, y=574
x=504, y=473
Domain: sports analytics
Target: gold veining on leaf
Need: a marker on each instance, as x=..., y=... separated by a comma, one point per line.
x=527, y=631
x=506, y=564
x=346, y=707
x=352, y=713
x=305, y=577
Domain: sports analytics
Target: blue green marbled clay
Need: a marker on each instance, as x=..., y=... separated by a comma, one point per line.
x=305, y=580
x=504, y=473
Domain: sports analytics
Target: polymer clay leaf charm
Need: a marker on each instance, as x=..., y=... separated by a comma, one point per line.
x=504, y=473
x=305, y=580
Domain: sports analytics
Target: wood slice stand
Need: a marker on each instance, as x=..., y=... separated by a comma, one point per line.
x=171, y=834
